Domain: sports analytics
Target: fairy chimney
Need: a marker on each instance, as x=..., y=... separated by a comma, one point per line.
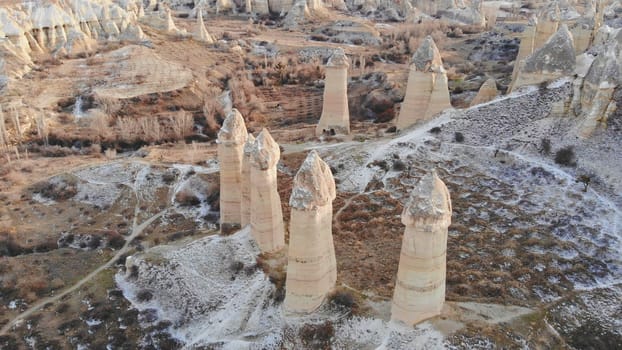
x=420, y=287
x=231, y=139
x=335, y=113
x=427, y=92
x=201, y=33
x=246, y=181
x=487, y=92
x=311, y=267
x=266, y=215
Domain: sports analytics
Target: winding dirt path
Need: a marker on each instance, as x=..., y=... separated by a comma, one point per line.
x=137, y=229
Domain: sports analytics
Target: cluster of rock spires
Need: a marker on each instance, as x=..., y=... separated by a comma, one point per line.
x=562, y=43
x=68, y=27
x=73, y=27
x=249, y=196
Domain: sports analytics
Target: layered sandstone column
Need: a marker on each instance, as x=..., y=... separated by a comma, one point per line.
x=311, y=264
x=266, y=215
x=335, y=113
x=420, y=288
x=246, y=181
x=427, y=93
x=231, y=139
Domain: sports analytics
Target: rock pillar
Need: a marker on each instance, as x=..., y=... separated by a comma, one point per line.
x=335, y=113
x=266, y=214
x=311, y=264
x=427, y=93
x=201, y=33
x=487, y=92
x=420, y=287
x=246, y=181
x=231, y=139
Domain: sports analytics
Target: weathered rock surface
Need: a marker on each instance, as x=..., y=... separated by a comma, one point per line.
x=594, y=89
x=311, y=267
x=246, y=181
x=266, y=214
x=427, y=92
x=64, y=28
x=231, y=140
x=335, y=113
x=420, y=288
x=487, y=92
x=555, y=59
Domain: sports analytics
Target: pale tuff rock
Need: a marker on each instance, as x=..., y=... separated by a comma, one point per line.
x=246, y=181
x=68, y=27
x=266, y=214
x=555, y=59
x=297, y=14
x=162, y=20
x=420, y=287
x=201, y=33
x=548, y=22
x=427, y=92
x=231, y=139
x=311, y=267
x=593, y=99
x=470, y=15
x=487, y=92
x=280, y=6
x=335, y=112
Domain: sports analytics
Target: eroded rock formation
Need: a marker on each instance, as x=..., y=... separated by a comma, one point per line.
x=420, y=287
x=547, y=23
x=427, y=92
x=311, y=268
x=555, y=59
x=266, y=214
x=65, y=27
x=487, y=92
x=335, y=112
x=201, y=33
x=593, y=99
x=231, y=139
x=246, y=181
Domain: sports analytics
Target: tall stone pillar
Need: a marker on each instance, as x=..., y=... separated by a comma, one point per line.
x=201, y=33
x=311, y=264
x=335, y=113
x=420, y=287
x=427, y=92
x=231, y=139
x=246, y=181
x=266, y=214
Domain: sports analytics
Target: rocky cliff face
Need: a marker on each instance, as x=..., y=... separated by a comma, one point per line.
x=64, y=27
x=595, y=88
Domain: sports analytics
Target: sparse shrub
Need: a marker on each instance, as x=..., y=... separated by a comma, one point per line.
x=144, y=295
x=317, y=336
x=565, y=156
x=343, y=299
x=545, y=146
x=187, y=198
x=585, y=179
x=236, y=267
x=458, y=137
x=399, y=165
